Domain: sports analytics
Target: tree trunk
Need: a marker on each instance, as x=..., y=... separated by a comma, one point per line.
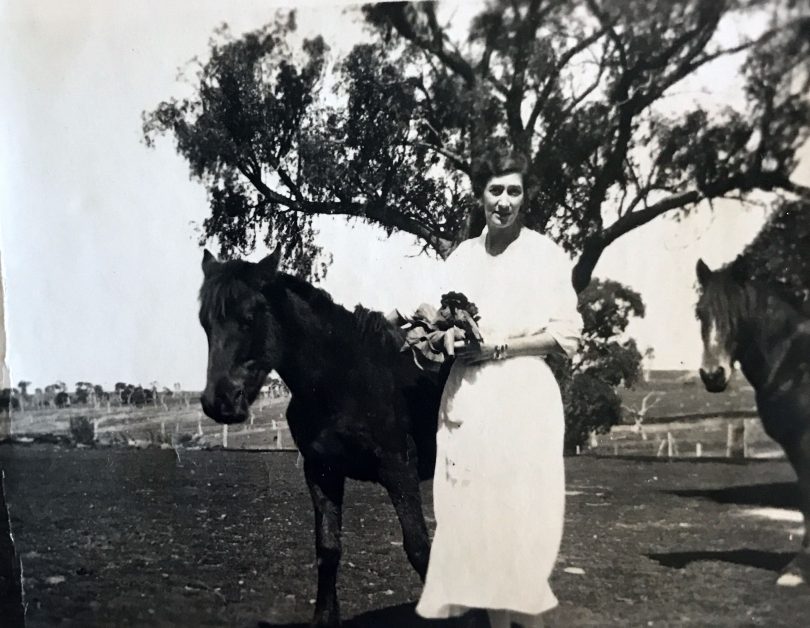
x=585, y=265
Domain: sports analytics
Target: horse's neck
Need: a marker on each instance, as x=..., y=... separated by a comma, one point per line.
x=304, y=366
x=771, y=330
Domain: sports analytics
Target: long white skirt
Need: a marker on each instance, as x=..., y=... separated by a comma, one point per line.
x=498, y=490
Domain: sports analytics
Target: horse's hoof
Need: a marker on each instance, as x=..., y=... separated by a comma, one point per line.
x=790, y=580
x=326, y=620
x=796, y=573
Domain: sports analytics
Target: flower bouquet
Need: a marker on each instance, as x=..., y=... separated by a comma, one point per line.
x=431, y=334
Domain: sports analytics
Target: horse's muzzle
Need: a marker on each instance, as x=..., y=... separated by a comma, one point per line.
x=715, y=380
x=228, y=409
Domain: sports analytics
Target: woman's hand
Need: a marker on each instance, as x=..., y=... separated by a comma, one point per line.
x=474, y=354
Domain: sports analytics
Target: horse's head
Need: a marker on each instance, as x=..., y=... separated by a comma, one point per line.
x=244, y=343
x=720, y=310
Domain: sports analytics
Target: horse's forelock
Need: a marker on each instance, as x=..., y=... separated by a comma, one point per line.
x=226, y=288
x=727, y=302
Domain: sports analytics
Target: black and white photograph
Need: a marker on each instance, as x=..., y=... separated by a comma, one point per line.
x=454, y=313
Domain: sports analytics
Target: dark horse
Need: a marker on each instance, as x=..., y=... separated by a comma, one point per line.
x=360, y=408
x=748, y=322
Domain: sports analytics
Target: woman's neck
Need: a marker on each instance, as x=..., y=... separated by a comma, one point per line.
x=497, y=240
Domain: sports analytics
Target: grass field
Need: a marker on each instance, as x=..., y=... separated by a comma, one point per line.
x=150, y=425
x=124, y=537
x=680, y=410
x=677, y=395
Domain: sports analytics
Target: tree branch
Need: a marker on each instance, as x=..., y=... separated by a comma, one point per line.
x=520, y=61
x=377, y=212
x=607, y=24
x=395, y=12
x=291, y=186
x=553, y=76
x=744, y=182
x=455, y=159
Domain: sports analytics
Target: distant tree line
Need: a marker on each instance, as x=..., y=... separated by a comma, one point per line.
x=57, y=395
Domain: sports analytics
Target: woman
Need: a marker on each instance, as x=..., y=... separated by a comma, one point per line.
x=499, y=486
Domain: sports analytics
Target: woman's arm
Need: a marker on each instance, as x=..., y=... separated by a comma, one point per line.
x=539, y=344
x=560, y=332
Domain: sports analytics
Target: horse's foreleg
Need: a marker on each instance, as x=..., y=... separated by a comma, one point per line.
x=798, y=571
x=327, y=499
x=400, y=478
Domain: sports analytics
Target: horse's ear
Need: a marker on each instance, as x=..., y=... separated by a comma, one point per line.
x=269, y=265
x=208, y=261
x=703, y=272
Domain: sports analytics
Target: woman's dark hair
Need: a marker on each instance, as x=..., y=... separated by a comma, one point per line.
x=496, y=163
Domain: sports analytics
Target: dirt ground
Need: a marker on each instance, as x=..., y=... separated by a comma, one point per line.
x=120, y=537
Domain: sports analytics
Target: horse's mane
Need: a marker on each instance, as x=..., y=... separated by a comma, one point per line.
x=375, y=332
x=786, y=294
x=733, y=302
x=378, y=330
x=228, y=286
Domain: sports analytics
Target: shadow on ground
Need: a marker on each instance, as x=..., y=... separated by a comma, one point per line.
x=772, y=561
x=399, y=616
x=776, y=495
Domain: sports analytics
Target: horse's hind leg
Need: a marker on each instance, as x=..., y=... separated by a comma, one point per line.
x=399, y=476
x=798, y=571
x=326, y=490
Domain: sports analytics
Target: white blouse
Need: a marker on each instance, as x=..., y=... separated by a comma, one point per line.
x=523, y=291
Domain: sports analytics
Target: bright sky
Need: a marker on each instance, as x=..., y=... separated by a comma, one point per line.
x=99, y=253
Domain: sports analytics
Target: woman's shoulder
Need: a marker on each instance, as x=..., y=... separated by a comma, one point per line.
x=544, y=244
x=466, y=246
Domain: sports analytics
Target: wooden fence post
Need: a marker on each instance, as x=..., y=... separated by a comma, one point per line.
x=746, y=436
x=5, y=423
x=225, y=436
x=735, y=440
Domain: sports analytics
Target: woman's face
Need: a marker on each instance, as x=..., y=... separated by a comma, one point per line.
x=503, y=197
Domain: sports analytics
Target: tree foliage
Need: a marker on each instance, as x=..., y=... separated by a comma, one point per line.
x=780, y=253
x=581, y=86
x=608, y=359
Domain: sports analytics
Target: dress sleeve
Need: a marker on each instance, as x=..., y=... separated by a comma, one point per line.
x=565, y=321
x=449, y=276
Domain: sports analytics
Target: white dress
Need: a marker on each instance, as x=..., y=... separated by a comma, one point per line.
x=499, y=486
